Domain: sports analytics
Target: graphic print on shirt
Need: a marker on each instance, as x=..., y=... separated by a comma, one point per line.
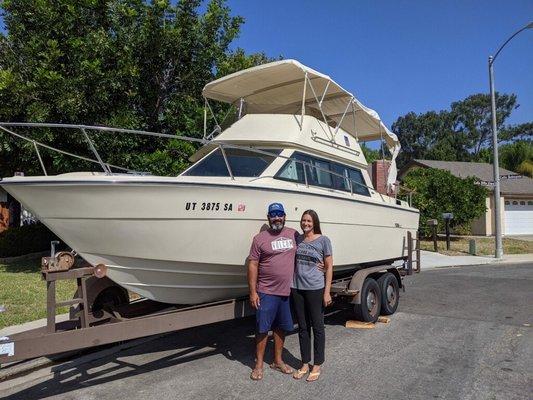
x=307, y=255
x=282, y=244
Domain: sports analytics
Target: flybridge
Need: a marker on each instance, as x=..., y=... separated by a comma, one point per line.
x=289, y=87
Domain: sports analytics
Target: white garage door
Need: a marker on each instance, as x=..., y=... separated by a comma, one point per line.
x=518, y=217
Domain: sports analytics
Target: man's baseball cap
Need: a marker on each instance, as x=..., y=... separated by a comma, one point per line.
x=276, y=207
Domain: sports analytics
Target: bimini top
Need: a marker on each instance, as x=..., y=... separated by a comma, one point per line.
x=278, y=88
x=289, y=87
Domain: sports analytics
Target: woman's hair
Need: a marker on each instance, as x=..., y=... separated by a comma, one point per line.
x=316, y=221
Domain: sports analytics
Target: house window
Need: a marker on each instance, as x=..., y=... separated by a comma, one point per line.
x=507, y=202
x=530, y=203
x=522, y=203
x=515, y=203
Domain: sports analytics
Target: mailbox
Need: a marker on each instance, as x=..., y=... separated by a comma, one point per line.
x=432, y=222
x=447, y=218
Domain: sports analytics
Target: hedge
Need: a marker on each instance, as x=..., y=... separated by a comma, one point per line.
x=25, y=239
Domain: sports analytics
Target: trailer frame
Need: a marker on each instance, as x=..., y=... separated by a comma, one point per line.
x=145, y=317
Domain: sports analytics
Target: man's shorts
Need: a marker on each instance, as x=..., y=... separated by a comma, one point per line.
x=274, y=312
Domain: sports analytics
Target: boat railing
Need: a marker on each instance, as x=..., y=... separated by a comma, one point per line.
x=107, y=167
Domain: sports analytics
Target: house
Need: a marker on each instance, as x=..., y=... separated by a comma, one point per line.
x=516, y=195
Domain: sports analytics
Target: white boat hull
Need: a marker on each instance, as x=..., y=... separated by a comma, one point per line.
x=157, y=244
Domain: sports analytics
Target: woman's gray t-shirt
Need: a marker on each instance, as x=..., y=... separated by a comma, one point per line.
x=307, y=276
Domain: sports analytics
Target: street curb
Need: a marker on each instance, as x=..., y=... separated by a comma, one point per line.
x=478, y=265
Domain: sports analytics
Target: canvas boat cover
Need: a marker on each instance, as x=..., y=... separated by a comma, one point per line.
x=280, y=87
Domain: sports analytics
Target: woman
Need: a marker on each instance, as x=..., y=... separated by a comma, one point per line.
x=310, y=292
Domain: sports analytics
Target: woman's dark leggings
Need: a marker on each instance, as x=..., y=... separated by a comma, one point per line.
x=309, y=308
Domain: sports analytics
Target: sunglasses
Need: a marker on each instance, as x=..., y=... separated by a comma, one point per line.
x=276, y=214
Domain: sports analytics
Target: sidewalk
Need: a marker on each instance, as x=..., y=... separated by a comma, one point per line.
x=430, y=260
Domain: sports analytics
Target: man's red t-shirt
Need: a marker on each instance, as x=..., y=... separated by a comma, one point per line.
x=275, y=253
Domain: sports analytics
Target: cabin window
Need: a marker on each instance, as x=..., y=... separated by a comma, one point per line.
x=292, y=170
x=243, y=163
x=321, y=173
x=358, y=182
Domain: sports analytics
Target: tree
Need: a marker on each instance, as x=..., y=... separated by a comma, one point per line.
x=472, y=117
x=437, y=192
x=517, y=157
x=462, y=133
x=371, y=155
x=516, y=132
x=429, y=135
x=123, y=63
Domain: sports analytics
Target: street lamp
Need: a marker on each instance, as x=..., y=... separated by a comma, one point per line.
x=496, y=169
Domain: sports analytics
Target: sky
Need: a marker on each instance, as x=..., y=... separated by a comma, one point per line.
x=399, y=56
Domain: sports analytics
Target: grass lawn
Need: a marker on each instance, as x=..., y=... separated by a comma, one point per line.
x=23, y=293
x=484, y=246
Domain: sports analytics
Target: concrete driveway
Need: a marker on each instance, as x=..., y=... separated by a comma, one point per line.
x=459, y=333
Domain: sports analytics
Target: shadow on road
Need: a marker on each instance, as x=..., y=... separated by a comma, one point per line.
x=233, y=339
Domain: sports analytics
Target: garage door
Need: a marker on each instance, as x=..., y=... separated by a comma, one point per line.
x=518, y=217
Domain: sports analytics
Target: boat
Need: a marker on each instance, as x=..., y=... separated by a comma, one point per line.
x=185, y=239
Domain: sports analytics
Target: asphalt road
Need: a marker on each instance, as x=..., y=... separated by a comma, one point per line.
x=459, y=333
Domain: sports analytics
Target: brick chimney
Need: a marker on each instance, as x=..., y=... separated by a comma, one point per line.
x=380, y=171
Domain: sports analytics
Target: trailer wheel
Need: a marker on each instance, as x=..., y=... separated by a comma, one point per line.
x=390, y=293
x=368, y=310
x=109, y=299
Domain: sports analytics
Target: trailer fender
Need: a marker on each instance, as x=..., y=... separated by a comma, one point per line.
x=359, y=277
x=95, y=286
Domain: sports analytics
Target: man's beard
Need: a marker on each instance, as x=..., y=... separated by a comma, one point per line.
x=277, y=226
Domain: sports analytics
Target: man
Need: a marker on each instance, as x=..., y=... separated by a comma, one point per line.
x=270, y=273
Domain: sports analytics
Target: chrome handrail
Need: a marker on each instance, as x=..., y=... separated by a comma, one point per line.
x=107, y=167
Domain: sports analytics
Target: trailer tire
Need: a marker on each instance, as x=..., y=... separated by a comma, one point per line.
x=369, y=309
x=390, y=293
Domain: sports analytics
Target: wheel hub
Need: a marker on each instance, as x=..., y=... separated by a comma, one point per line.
x=390, y=294
x=370, y=300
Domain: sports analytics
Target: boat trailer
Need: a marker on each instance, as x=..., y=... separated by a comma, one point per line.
x=91, y=326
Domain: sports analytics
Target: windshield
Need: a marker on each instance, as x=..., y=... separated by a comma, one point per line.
x=243, y=163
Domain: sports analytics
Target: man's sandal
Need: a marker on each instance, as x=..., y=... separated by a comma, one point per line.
x=284, y=368
x=313, y=376
x=257, y=374
x=299, y=374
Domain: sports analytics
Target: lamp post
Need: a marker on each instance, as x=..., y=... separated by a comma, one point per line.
x=498, y=253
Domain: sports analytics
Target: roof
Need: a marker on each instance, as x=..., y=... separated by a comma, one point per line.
x=278, y=88
x=512, y=183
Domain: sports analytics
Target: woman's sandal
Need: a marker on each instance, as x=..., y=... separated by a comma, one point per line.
x=284, y=368
x=299, y=374
x=313, y=376
x=257, y=374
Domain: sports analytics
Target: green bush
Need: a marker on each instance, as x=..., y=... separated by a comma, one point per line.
x=25, y=239
x=438, y=192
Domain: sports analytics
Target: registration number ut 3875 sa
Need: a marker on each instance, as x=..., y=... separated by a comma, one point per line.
x=208, y=206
